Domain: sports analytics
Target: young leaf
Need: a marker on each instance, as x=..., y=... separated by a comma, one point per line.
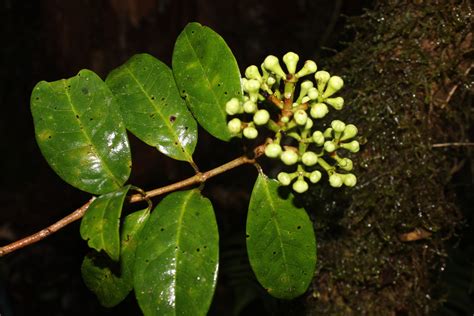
x=98, y=272
x=152, y=107
x=81, y=133
x=177, y=257
x=207, y=76
x=100, y=224
x=280, y=241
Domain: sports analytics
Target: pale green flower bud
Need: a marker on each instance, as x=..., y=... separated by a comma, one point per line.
x=273, y=150
x=232, y=106
x=352, y=146
x=234, y=126
x=289, y=157
x=319, y=110
x=300, y=117
x=322, y=78
x=335, y=180
x=309, y=158
x=306, y=99
x=345, y=164
x=304, y=87
x=328, y=132
x=318, y=138
x=336, y=103
x=250, y=132
x=252, y=73
x=300, y=186
x=309, y=124
x=329, y=146
x=272, y=64
x=315, y=176
x=291, y=60
x=350, y=180
x=251, y=85
x=349, y=132
x=250, y=107
x=285, y=119
x=271, y=81
x=313, y=93
x=308, y=68
x=284, y=178
x=261, y=117
x=335, y=84
x=338, y=126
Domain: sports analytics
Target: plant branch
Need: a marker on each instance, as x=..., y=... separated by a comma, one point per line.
x=199, y=177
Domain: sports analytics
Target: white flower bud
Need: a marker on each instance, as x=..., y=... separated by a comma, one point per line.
x=313, y=93
x=350, y=180
x=250, y=132
x=318, y=138
x=234, y=126
x=335, y=84
x=232, y=106
x=273, y=150
x=315, y=176
x=352, y=146
x=261, y=117
x=284, y=178
x=250, y=107
x=251, y=85
x=335, y=180
x=309, y=124
x=308, y=68
x=349, y=132
x=289, y=157
x=300, y=117
x=252, y=73
x=345, y=164
x=321, y=78
x=338, y=126
x=272, y=64
x=285, y=119
x=300, y=186
x=336, y=103
x=309, y=158
x=329, y=146
x=291, y=60
x=319, y=110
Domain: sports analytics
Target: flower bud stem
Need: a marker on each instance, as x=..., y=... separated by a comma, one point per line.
x=325, y=165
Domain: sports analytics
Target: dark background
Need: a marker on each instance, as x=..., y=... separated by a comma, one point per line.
x=54, y=39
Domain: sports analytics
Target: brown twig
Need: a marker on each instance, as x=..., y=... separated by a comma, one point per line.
x=200, y=177
x=451, y=145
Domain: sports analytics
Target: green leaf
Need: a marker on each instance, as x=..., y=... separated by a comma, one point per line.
x=100, y=224
x=152, y=107
x=99, y=273
x=280, y=241
x=207, y=76
x=81, y=133
x=177, y=257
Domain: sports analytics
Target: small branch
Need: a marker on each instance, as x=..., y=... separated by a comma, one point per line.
x=79, y=213
x=42, y=234
x=451, y=145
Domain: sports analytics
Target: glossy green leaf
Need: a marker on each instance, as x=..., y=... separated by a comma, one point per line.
x=280, y=241
x=152, y=107
x=100, y=274
x=177, y=257
x=100, y=224
x=207, y=76
x=81, y=133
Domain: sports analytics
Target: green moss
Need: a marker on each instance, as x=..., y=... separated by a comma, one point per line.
x=402, y=66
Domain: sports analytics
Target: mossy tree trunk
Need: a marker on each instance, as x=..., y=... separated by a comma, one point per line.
x=382, y=248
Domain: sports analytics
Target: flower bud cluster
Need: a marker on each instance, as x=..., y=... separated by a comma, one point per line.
x=275, y=99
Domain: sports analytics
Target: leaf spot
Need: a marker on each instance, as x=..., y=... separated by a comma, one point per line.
x=172, y=118
x=85, y=90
